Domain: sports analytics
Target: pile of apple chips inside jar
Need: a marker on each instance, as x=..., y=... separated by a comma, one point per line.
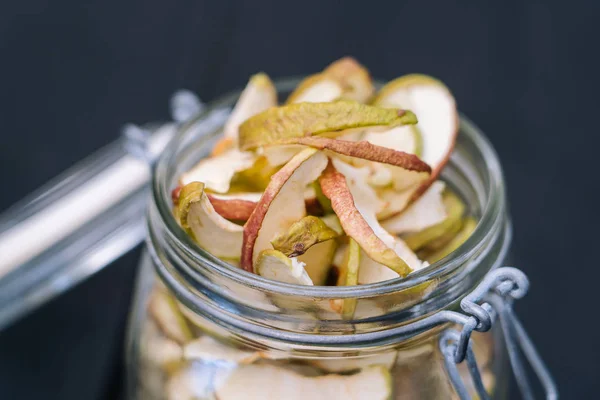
x=339, y=181
x=337, y=185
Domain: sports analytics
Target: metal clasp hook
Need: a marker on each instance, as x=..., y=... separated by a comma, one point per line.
x=492, y=300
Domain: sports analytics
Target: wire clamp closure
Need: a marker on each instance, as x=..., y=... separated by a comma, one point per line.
x=493, y=300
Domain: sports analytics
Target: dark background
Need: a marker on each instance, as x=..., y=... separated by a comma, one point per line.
x=73, y=71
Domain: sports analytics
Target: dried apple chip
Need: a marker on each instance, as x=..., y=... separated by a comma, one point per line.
x=353, y=202
x=281, y=205
x=277, y=266
x=302, y=235
x=217, y=172
x=267, y=382
x=306, y=119
x=427, y=211
x=260, y=94
x=436, y=109
x=210, y=230
x=355, y=79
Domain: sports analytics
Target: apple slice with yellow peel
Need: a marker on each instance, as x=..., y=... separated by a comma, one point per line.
x=268, y=382
x=318, y=88
x=210, y=230
x=302, y=235
x=348, y=276
x=467, y=229
x=353, y=202
x=454, y=209
x=435, y=106
x=259, y=95
x=164, y=310
x=306, y=119
x=217, y=172
x=275, y=265
x=355, y=79
x=208, y=349
x=427, y=211
x=281, y=204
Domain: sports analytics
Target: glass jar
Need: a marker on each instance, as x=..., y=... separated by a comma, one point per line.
x=201, y=328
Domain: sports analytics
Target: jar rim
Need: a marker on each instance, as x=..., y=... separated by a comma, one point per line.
x=490, y=218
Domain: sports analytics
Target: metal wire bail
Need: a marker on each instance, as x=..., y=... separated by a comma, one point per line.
x=492, y=300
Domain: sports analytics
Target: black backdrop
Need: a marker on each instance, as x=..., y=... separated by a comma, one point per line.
x=73, y=71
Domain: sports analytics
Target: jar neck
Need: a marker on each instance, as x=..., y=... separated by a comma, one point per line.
x=262, y=310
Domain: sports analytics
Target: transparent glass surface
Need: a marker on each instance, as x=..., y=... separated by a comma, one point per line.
x=203, y=329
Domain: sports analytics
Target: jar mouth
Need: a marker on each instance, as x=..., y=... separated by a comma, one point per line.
x=490, y=222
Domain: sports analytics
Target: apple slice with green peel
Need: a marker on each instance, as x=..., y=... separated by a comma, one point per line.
x=354, y=202
x=210, y=230
x=260, y=94
x=468, y=226
x=217, y=172
x=208, y=349
x=302, y=235
x=281, y=204
x=425, y=212
x=355, y=79
x=275, y=265
x=435, y=106
x=318, y=88
x=268, y=382
x=306, y=119
x=348, y=276
x=454, y=208
x=164, y=310
x=349, y=364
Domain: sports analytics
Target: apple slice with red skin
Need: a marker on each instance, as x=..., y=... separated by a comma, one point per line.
x=360, y=224
x=435, y=107
x=281, y=204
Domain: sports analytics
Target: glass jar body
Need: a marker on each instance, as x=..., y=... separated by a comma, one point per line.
x=173, y=353
x=201, y=328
